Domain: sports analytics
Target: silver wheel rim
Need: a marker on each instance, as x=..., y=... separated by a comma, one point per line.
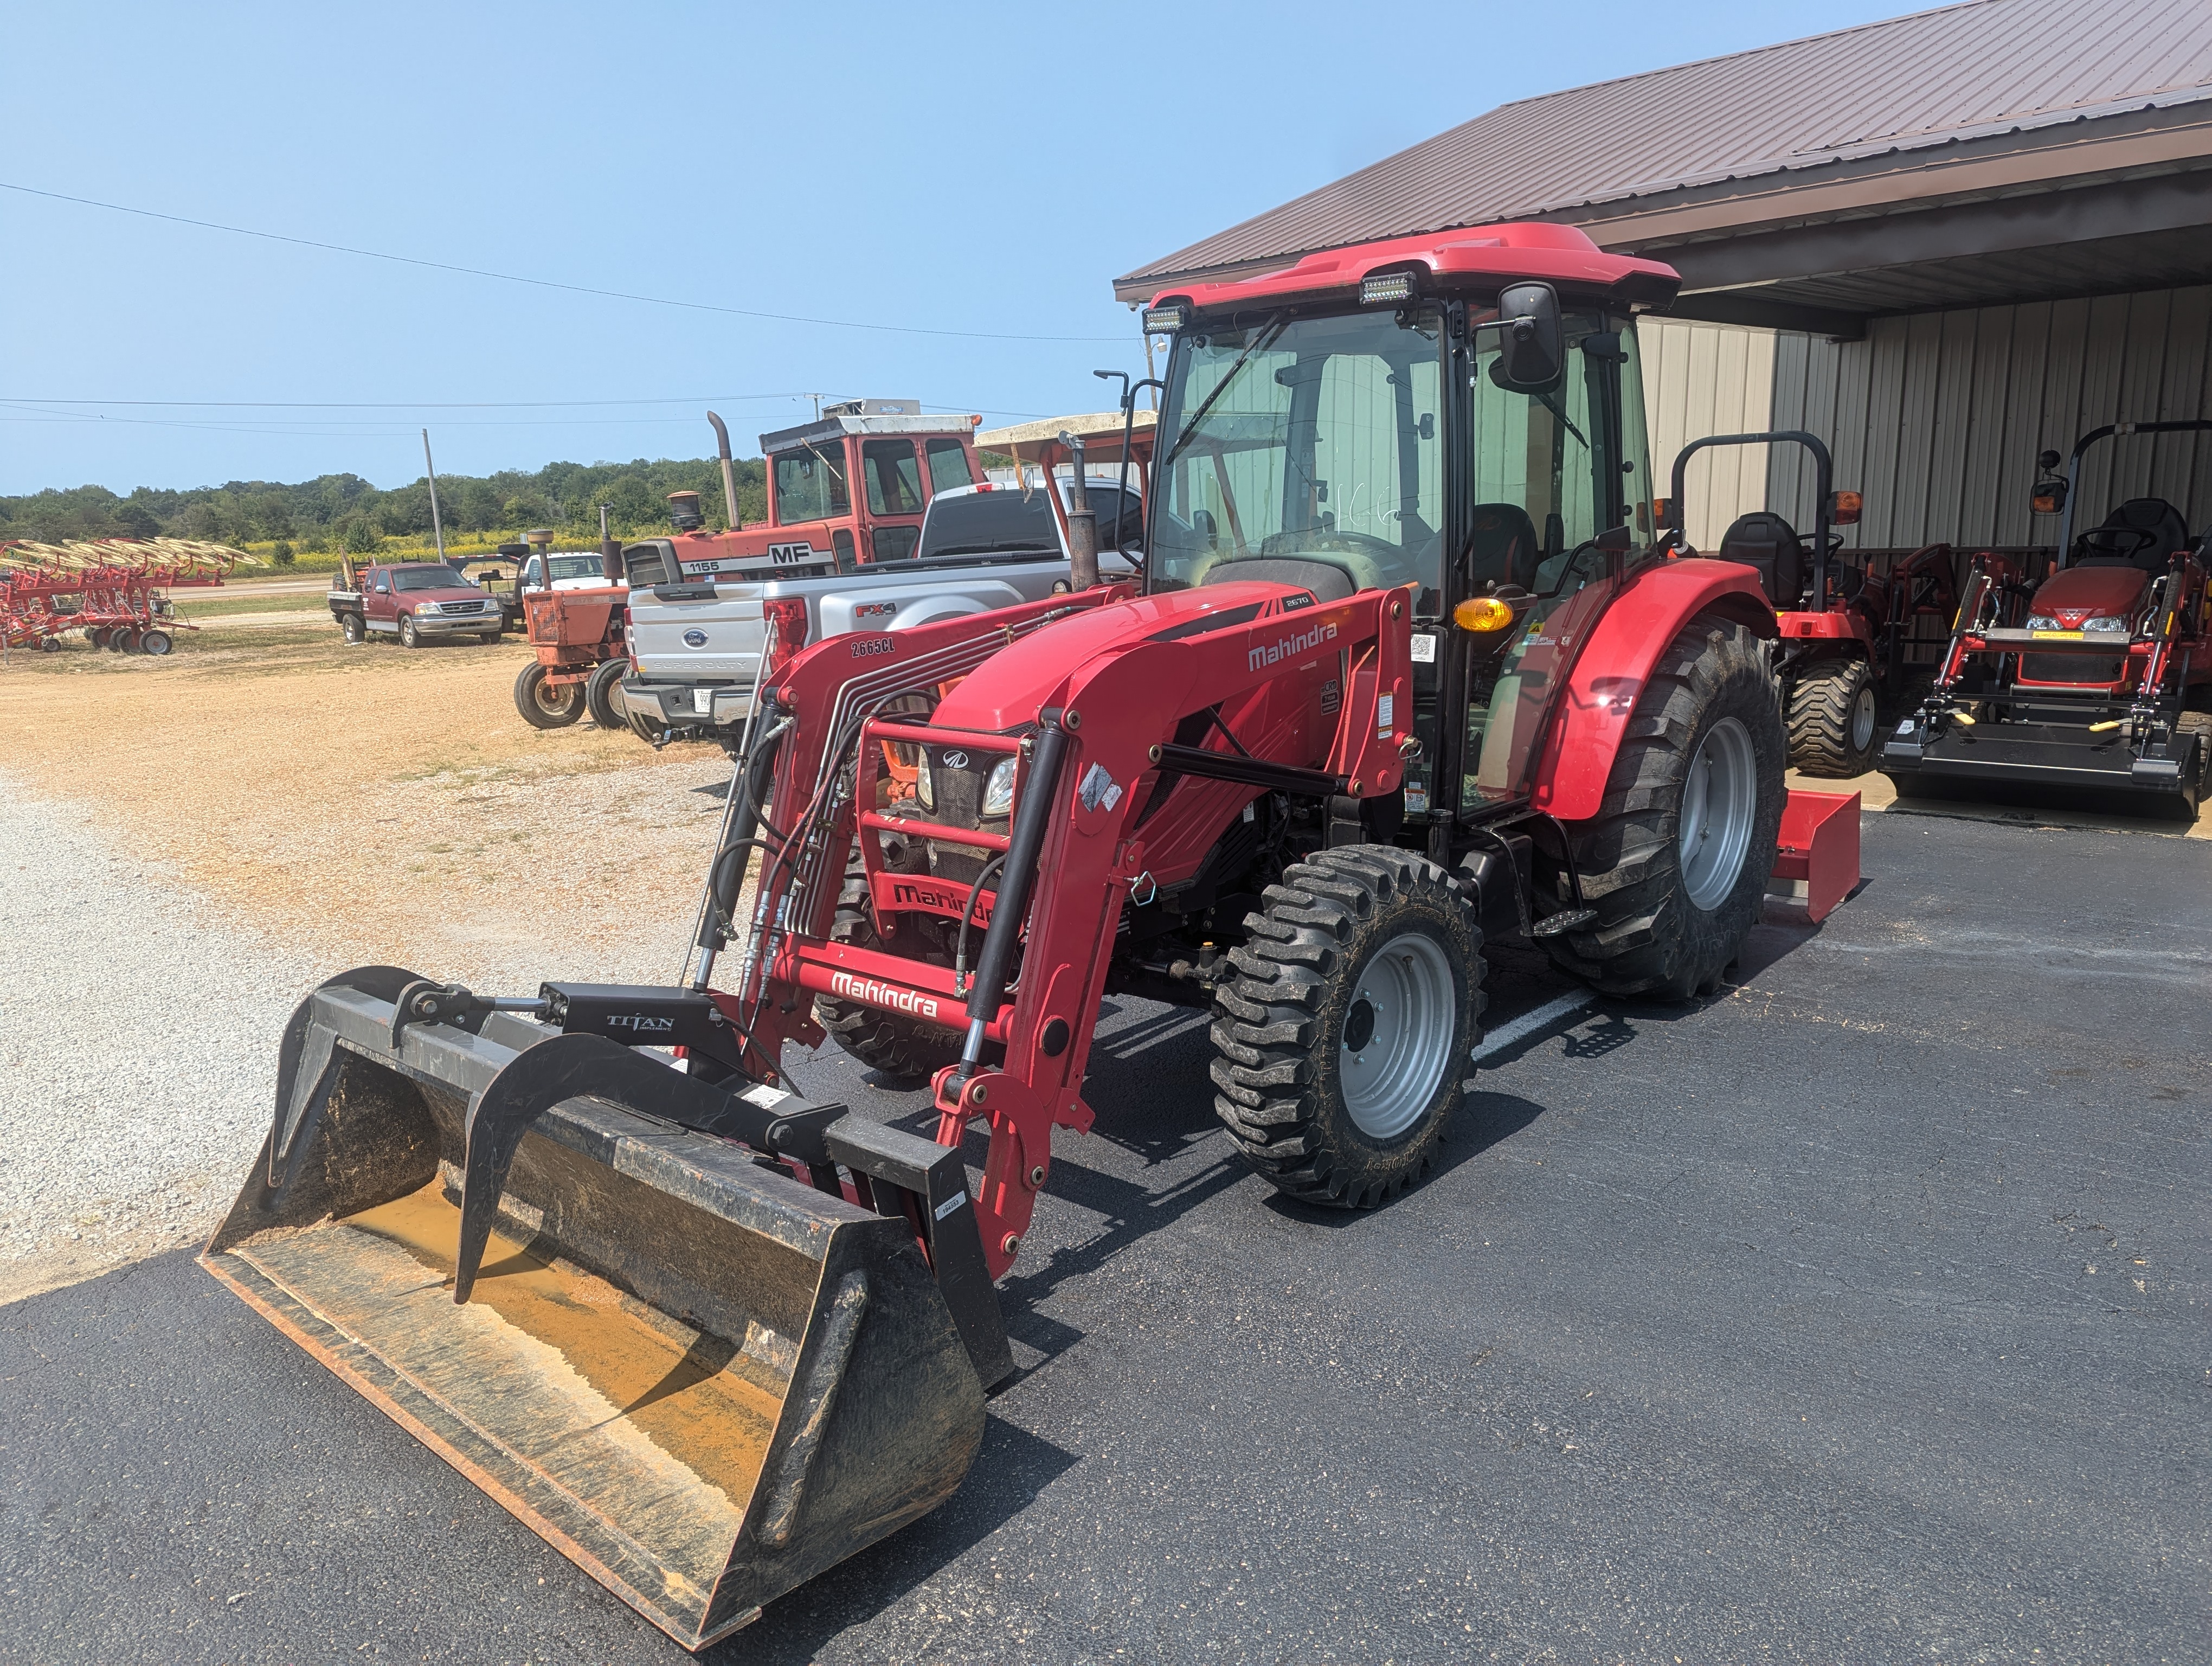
x=1862, y=720
x=1720, y=797
x=1404, y=1013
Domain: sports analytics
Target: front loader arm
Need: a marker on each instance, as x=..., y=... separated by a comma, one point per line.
x=1094, y=853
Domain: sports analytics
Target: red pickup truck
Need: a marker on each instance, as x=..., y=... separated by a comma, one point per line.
x=413, y=600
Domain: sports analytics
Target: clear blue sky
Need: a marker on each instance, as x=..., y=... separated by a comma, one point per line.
x=933, y=167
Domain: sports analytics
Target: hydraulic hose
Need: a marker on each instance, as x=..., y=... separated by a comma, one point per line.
x=1032, y=816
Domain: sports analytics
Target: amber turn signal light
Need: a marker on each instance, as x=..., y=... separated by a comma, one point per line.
x=1482, y=614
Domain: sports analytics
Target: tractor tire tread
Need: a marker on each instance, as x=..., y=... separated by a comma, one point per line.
x=1822, y=700
x=1647, y=939
x=1272, y=1018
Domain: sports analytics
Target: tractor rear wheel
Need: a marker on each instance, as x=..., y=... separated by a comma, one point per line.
x=603, y=694
x=905, y=1049
x=1676, y=860
x=1833, y=731
x=1343, y=1041
x=546, y=705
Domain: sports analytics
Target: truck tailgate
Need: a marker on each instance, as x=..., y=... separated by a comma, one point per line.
x=695, y=640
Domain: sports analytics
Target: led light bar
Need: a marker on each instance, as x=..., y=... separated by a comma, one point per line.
x=1164, y=320
x=1386, y=288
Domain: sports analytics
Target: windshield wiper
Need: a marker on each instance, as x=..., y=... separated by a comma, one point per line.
x=1268, y=331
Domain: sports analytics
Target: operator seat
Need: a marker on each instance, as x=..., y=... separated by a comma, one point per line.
x=2149, y=514
x=1502, y=548
x=1766, y=542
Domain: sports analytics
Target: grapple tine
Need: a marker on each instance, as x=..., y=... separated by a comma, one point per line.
x=564, y=1067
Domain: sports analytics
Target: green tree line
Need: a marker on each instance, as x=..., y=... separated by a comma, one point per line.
x=336, y=512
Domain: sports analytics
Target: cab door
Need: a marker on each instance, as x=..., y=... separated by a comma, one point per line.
x=891, y=476
x=379, y=611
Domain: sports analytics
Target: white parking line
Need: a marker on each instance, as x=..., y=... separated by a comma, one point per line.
x=1529, y=1023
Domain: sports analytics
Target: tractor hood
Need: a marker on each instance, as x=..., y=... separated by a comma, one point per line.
x=2092, y=591
x=1010, y=688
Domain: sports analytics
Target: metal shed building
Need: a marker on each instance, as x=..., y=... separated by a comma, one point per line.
x=1943, y=243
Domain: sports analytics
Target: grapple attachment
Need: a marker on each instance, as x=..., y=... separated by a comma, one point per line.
x=701, y=1378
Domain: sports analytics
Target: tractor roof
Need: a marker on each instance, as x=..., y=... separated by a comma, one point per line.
x=834, y=428
x=1472, y=256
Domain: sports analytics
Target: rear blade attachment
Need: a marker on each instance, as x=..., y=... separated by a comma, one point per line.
x=702, y=1379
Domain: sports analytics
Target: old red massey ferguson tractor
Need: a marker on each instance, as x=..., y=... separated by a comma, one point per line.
x=1406, y=674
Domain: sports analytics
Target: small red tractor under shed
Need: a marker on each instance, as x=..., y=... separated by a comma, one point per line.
x=2092, y=684
x=1845, y=626
x=1359, y=721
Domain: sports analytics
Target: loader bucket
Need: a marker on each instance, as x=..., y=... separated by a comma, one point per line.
x=700, y=1379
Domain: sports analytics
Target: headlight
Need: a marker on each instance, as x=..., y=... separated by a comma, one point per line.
x=2105, y=623
x=924, y=787
x=999, y=790
x=2041, y=622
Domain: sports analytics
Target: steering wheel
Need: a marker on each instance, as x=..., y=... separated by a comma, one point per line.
x=1331, y=543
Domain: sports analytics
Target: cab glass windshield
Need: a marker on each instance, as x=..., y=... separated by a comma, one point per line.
x=810, y=483
x=1322, y=439
x=1314, y=438
x=430, y=578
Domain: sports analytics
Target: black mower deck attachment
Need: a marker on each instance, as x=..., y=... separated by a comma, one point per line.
x=705, y=1371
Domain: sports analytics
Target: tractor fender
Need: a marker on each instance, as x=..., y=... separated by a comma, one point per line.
x=1590, y=721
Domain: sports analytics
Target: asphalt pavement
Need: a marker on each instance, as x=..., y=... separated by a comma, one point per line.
x=1856, y=1314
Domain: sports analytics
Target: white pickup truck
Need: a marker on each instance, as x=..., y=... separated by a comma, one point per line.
x=695, y=634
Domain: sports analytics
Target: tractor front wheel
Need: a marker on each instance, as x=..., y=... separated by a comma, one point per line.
x=1833, y=731
x=1343, y=1041
x=603, y=694
x=1676, y=860
x=546, y=705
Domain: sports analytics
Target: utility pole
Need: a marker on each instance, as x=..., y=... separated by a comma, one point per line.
x=437, y=521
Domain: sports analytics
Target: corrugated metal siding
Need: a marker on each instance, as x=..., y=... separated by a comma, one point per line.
x=1937, y=419
x=1922, y=81
x=1701, y=379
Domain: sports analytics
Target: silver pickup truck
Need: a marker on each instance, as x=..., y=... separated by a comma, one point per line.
x=695, y=636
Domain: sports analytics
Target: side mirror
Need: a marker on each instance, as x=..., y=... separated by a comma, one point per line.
x=1533, y=354
x=1844, y=509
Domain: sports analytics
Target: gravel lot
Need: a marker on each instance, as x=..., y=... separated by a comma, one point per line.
x=135, y=1071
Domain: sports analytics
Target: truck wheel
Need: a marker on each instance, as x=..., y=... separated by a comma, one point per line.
x=489, y=638
x=905, y=1049
x=546, y=705
x=1675, y=862
x=351, y=627
x=603, y=694
x=409, y=636
x=1344, y=1039
x=1833, y=731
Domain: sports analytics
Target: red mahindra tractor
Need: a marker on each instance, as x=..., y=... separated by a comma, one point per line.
x=2094, y=682
x=1844, y=626
x=1406, y=675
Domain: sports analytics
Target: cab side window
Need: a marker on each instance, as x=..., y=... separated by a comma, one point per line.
x=948, y=465
x=384, y=584
x=893, y=476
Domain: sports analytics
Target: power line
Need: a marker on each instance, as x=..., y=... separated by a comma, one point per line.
x=537, y=283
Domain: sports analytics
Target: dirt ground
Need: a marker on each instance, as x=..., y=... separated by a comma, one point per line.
x=374, y=804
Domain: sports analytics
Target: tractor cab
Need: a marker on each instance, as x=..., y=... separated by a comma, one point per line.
x=1482, y=445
